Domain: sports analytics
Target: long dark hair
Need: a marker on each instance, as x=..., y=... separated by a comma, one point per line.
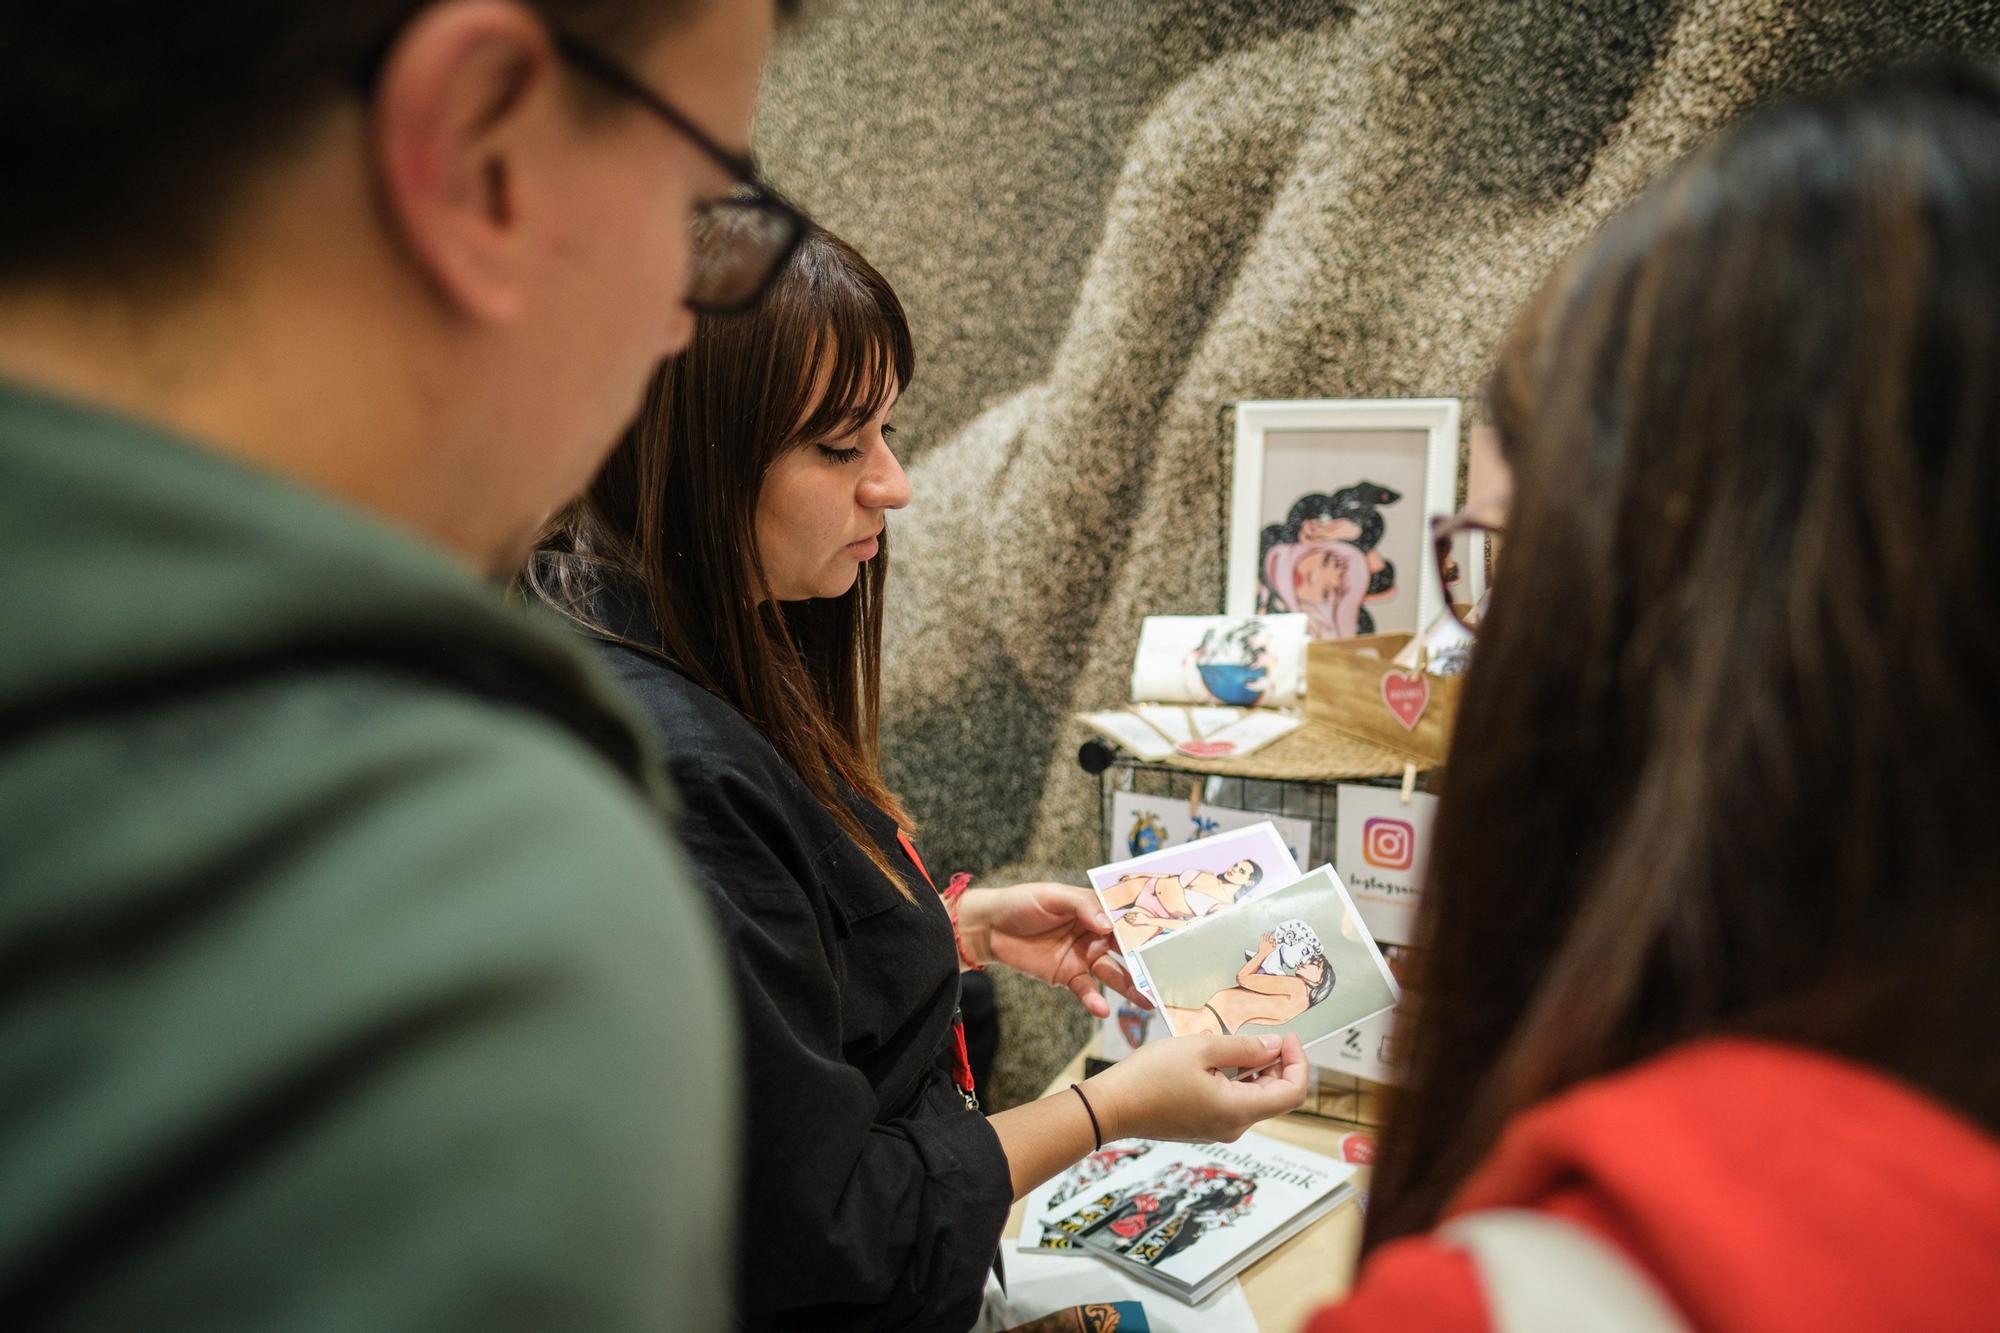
x=672, y=520
x=1726, y=756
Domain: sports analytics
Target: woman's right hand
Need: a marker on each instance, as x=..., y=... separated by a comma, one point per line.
x=1175, y=1089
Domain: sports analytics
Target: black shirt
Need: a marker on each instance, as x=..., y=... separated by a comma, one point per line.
x=873, y=1198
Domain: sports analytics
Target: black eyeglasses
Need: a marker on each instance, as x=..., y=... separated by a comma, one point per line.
x=740, y=242
x=1444, y=531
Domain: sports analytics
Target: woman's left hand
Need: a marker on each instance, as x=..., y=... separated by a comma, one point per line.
x=1053, y=931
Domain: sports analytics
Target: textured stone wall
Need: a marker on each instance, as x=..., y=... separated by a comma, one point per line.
x=1112, y=218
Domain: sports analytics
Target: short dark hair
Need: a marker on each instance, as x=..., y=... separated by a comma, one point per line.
x=127, y=128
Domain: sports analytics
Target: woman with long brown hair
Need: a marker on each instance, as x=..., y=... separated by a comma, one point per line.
x=731, y=560
x=1707, y=1033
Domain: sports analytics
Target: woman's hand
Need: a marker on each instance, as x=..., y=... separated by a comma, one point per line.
x=1175, y=1089
x=1053, y=931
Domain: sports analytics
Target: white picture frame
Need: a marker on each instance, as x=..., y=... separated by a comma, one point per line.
x=1275, y=444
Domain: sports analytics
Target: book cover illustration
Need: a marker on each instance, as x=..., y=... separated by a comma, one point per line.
x=1095, y=1168
x=1157, y=1218
x=1189, y=1215
x=1096, y=1317
x=1297, y=959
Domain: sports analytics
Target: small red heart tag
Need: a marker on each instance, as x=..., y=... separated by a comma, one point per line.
x=1357, y=1148
x=1406, y=696
x=1206, y=749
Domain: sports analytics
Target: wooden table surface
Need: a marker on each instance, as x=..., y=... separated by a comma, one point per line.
x=1311, y=1268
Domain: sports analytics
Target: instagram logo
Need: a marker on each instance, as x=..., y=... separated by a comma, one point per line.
x=1388, y=843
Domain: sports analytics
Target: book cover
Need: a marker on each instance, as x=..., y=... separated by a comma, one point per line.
x=1096, y=1317
x=1184, y=1217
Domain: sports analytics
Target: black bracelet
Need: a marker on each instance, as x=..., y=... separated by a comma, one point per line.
x=1095, y=1132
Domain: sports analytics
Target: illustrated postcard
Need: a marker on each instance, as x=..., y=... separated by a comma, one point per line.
x=1297, y=959
x=1162, y=893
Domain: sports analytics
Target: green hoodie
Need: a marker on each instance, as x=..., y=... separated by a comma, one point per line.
x=346, y=979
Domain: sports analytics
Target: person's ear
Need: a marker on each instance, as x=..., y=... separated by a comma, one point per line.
x=463, y=110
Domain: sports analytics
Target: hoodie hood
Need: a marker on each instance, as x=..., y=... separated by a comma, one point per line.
x=139, y=563
x=1769, y=1188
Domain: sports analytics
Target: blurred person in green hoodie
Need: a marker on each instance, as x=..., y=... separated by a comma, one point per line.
x=346, y=979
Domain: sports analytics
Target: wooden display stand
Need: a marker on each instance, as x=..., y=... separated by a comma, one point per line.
x=1355, y=690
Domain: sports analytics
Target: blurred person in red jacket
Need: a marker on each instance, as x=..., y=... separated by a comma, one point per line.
x=1706, y=1036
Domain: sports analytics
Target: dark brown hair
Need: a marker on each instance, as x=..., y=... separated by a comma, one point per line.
x=672, y=521
x=127, y=128
x=1726, y=757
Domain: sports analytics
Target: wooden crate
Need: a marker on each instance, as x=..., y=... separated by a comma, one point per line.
x=1353, y=687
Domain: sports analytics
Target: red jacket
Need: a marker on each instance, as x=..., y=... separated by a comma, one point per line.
x=1761, y=1187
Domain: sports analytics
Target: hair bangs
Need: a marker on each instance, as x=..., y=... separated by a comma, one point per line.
x=671, y=523
x=860, y=346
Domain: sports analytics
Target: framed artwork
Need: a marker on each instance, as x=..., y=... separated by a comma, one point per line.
x=1330, y=510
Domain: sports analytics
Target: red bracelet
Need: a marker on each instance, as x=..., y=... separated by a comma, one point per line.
x=951, y=895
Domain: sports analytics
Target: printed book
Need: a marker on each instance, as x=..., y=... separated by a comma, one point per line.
x=1184, y=1217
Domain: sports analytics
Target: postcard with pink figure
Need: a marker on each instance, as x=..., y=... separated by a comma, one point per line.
x=1298, y=959
x=1158, y=895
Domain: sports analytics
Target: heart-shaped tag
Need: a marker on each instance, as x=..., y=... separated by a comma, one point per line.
x=1207, y=749
x=1406, y=696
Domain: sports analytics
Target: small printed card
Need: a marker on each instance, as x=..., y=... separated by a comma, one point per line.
x=1127, y=1027
x=1257, y=728
x=1131, y=731
x=1162, y=893
x=1157, y=731
x=1366, y=1050
x=1145, y=824
x=1295, y=959
x=1381, y=845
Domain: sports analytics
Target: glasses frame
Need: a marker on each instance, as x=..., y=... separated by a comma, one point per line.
x=753, y=193
x=1445, y=530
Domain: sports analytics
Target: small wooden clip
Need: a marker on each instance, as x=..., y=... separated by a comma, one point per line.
x=1409, y=782
x=1194, y=799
